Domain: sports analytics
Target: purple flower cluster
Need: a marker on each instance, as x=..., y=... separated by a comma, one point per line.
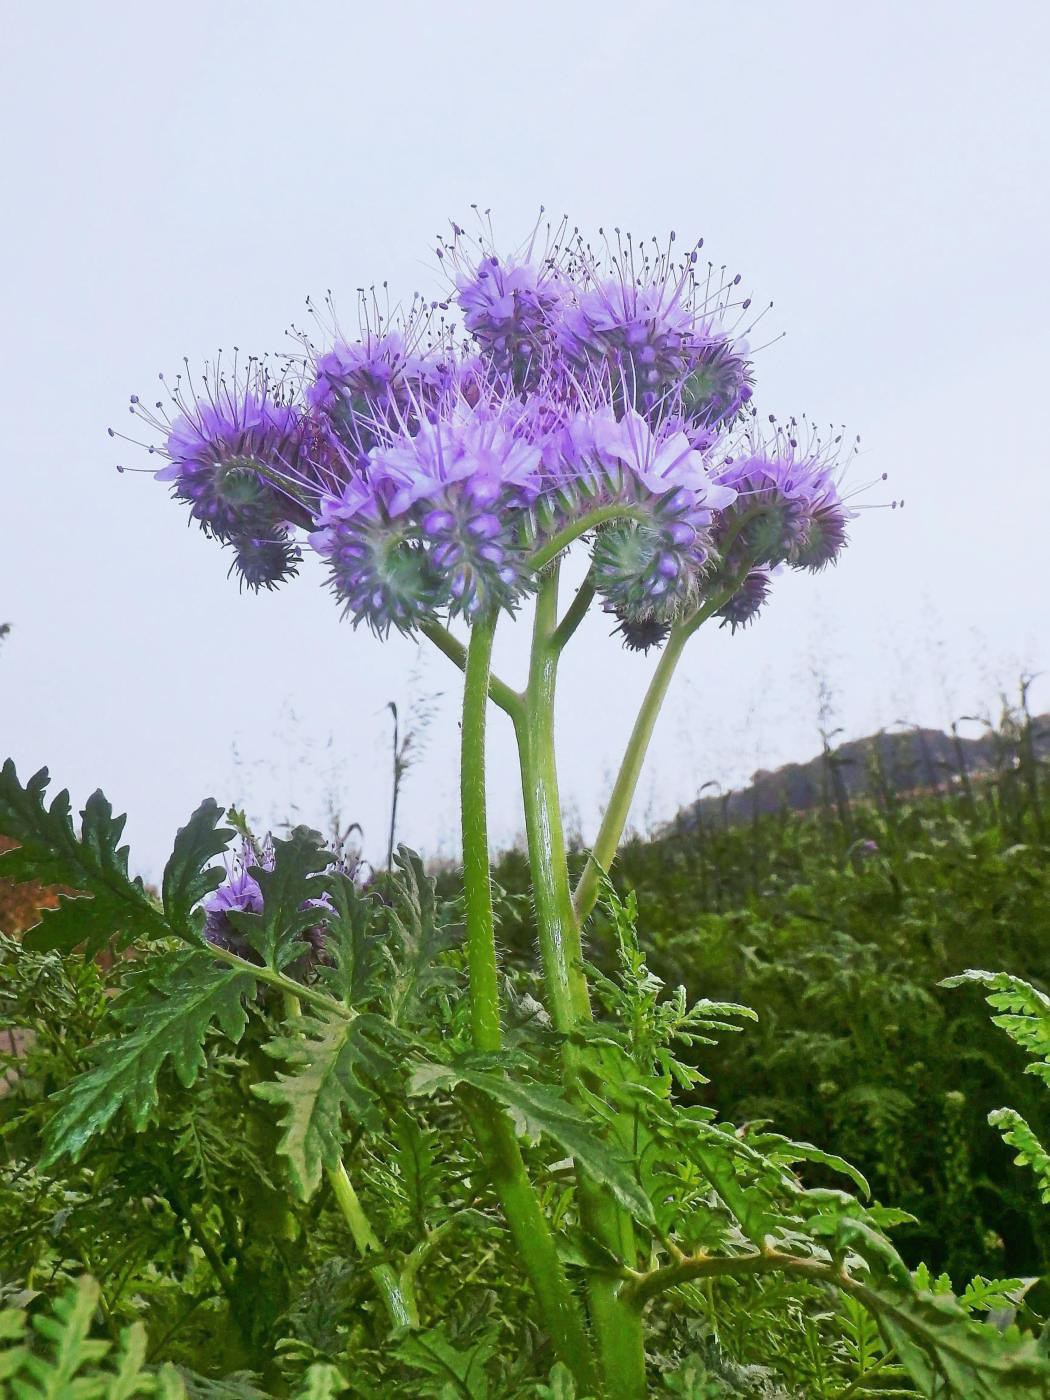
x=606, y=397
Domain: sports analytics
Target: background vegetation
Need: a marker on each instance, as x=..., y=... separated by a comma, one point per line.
x=835, y=925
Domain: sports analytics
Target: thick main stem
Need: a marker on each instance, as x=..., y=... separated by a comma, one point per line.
x=481, y=942
x=618, y=1328
x=559, y=932
x=492, y=1129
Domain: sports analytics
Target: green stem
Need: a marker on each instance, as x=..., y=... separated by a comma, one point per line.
x=286, y=985
x=500, y=693
x=559, y=931
x=618, y=1329
x=492, y=1129
x=615, y=819
x=400, y=1301
x=574, y=614
x=558, y=543
x=481, y=943
x=532, y=1237
x=620, y=799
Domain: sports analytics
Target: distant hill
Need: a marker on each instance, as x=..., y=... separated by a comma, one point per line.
x=907, y=761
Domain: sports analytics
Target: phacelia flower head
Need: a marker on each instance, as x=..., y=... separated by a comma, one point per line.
x=649, y=564
x=465, y=478
x=436, y=464
x=361, y=385
x=512, y=305
x=658, y=329
x=748, y=600
x=233, y=443
x=512, y=311
x=378, y=567
x=789, y=508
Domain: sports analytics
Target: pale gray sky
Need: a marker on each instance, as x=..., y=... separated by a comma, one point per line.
x=179, y=178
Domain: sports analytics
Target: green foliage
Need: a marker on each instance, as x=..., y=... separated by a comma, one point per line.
x=420, y=934
x=1025, y=1017
x=291, y=891
x=840, y=955
x=99, y=902
x=188, y=877
x=539, y=1112
x=448, y=1371
x=758, y=1274
x=53, y=1357
x=335, y=1061
x=165, y=1015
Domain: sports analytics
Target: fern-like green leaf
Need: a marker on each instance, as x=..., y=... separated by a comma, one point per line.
x=451, y=1371
x=1030, y=1151
x=172, y=1009
x=99, y=903
x=334, y=1061
x=65, y=1363
x=1025, y=1011
x=322, y=1381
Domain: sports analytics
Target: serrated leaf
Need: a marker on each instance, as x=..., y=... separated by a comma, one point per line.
x=539, y=1111
x=561, y=1387
x=180, y=1001
x=991, y=1294
x=334, y=1061
x=292, y=892
x=98, y=902
x=355, y=951
x=188, y=877
x=129, y=1376
x=1026, y=1017
x=805, y=1152
x=946, y=1354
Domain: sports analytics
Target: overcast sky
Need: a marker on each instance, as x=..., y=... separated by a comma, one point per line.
x=179, y=178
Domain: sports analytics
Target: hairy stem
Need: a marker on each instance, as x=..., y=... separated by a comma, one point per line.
x=492, y=1129
x=574, y=615
x=557, y=544
x=559, y=931
x=618, y=1329
x=399, y=1300
x=286, y=985
x=481, y=942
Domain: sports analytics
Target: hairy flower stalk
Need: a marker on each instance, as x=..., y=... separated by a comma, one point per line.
x=592, y=400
